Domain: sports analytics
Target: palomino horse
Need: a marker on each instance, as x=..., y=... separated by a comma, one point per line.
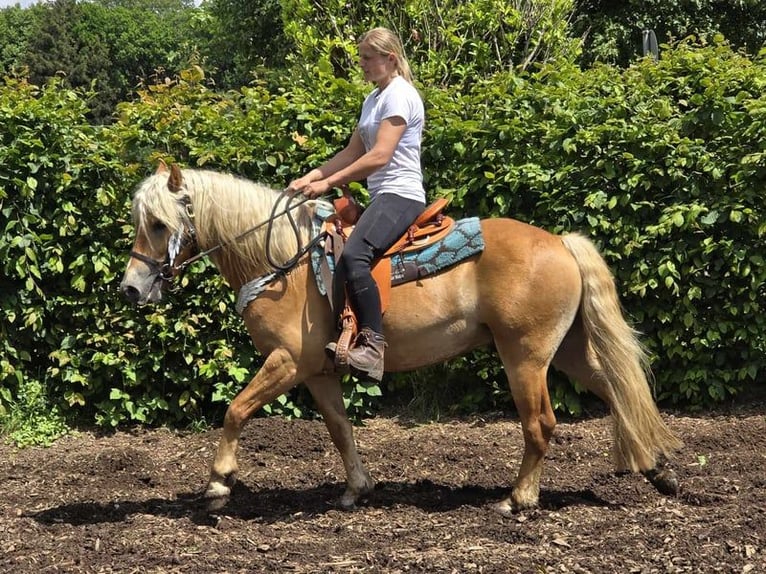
x=540, y=298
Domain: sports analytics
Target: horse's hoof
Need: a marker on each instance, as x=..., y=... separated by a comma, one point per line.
x=664, y=480
x=218, y=492
x=503, y=508
x=352, y=495
x=216, y=504
x=509, y=507
x=348, y=500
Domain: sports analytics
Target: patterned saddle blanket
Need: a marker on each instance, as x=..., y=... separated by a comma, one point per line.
x=462, y=242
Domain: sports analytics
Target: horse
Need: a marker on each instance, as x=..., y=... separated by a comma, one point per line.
x=541, y=299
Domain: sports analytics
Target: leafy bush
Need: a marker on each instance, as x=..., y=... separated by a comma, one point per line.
x=57, y=245
x=613, y=32
x=29, y=418
x=450, y=43
x=662, y=164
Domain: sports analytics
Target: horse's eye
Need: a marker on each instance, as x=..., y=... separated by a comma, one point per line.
x=158, y=227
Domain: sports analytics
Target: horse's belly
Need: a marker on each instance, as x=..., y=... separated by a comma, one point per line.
x=433, y=320
x=425, y=347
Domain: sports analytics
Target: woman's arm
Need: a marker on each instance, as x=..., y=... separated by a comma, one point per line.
x=390, y=132
x=345, y=157
x=339, y=171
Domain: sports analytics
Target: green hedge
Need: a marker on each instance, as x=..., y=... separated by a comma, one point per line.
x=663, y=164
x=61, y=225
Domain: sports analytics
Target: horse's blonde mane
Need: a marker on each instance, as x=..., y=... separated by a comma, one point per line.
x=224, y=207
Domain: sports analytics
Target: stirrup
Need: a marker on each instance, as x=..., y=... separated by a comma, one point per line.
x=330, y=350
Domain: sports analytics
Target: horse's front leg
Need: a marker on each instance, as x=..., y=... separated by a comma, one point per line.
x=277, y=375
x=328, y=396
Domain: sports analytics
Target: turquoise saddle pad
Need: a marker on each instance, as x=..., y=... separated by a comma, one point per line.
x=462, y=242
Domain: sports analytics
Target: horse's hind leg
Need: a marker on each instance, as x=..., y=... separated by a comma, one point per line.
x=528, y=383
x=328, y=395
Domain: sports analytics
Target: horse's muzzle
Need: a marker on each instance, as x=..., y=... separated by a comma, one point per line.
x=130, y=293
x=141, y=289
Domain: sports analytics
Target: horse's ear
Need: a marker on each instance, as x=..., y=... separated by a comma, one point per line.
x=176, y=180
x=161, y=168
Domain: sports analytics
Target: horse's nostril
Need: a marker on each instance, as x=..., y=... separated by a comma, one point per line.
x=130, y=293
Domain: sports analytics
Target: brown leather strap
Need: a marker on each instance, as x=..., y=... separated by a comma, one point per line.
x=419, y=237
x=381, y=273
x=431, y=212
x=347, y=209
x=347, y=334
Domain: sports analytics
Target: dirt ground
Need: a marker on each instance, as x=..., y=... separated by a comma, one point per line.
x=129, y=502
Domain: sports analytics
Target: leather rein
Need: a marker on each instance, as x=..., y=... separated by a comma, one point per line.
x=166, y=270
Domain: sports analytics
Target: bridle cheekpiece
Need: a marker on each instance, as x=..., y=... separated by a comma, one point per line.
x=167, y=270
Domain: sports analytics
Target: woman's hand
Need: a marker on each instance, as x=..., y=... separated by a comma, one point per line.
x=299, y=184
x=315, y=188
x=311, y=185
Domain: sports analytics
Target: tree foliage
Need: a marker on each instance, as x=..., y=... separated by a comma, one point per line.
x=239, y=37
x=16, y=26
x=450, y=43
x=613, y=31
x=114, y=45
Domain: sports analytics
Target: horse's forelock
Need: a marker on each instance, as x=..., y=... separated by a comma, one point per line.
x=153, y=200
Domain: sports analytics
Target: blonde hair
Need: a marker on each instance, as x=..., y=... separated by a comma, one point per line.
x=385, y=42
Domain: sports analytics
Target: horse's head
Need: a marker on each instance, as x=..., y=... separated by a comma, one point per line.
x=165, y=236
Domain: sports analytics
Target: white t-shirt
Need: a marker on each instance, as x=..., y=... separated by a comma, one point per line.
x=402, y=175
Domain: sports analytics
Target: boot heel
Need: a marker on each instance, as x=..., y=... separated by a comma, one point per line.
x=374, y=375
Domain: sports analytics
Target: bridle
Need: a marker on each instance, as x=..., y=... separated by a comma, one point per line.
x=167, y=270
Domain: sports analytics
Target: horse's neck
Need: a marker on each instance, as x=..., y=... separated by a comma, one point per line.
x=236, y=275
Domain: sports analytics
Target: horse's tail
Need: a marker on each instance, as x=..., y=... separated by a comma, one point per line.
x=619, y=365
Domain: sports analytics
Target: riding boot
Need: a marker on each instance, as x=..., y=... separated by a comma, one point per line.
x=366, y=356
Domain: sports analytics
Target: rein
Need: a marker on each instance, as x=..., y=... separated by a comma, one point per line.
x=284, y=267
x=167, y=271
